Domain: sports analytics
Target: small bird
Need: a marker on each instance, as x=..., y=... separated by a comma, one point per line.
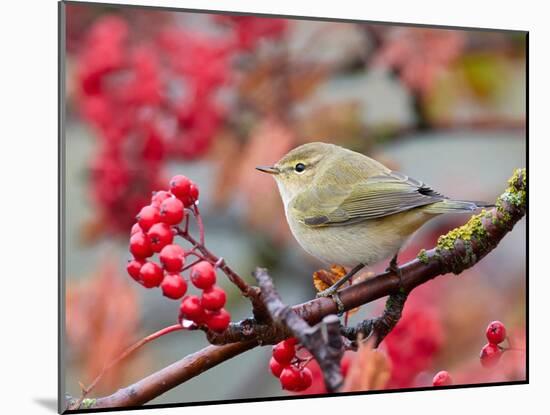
x=348, y=209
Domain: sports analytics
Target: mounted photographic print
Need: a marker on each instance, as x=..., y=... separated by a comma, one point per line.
x=261, y=207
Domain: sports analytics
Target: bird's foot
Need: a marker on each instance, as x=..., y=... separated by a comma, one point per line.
x=394, y=267
x=332, y=292
x=328, y=292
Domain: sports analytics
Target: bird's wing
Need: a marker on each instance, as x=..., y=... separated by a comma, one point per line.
x=375, y=197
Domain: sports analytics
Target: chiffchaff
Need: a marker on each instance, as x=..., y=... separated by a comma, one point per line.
x=348, y=209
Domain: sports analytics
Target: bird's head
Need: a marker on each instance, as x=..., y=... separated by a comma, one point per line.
x=297, y=170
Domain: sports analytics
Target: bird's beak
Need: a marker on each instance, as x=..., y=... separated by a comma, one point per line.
x=268, y=169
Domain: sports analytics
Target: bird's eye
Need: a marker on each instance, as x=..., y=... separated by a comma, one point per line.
x=300, y=167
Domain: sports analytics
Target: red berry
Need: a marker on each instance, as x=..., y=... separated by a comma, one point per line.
x=275, y=367
x=290, y=378
x=191, y=309
x=148, y=216
x=173, y=286
x=133, y=267
x=283, y=353
x=291, y=341
x=159, y=197
x=218, y=320
x=306, y=378
x=442, y=378
x=140, y=247
x=180, y=186
x=151, y=274
x=496, y=332
x=490, y=355
x=203, y=275
x=160, y=235
x=171, y=211
x=213, y=298
x=135, y=229
x=172, y=258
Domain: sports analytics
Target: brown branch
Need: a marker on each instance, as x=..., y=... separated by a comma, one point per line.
x=456, y=251
x=165, y=379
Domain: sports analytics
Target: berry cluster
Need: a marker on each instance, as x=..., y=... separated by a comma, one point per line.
x=208, y=309
x=289, y=368
x=491, y=352
x=442, y=378
x=153, y=233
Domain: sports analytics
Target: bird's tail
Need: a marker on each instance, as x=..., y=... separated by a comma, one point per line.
x=456, y=206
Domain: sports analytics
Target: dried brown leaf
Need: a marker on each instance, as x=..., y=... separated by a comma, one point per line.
x=370, y=370
x=323, y=279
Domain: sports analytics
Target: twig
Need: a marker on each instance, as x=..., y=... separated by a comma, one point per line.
x=322, y=340
x=198, y=218
x=378, y=328
x=232, y=275
x=252, y=293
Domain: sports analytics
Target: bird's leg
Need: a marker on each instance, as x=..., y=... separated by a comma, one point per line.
x=394, y=267
x=332, y=290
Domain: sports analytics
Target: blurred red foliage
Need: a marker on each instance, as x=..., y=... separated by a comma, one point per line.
x=420, y=55
x=249, y=29
x=412, y=345
x=98, y=328
x=153, y=100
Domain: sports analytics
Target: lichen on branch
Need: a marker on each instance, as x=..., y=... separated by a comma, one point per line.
x=464, y=246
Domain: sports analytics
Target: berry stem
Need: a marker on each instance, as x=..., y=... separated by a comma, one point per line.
x=304, y=362
x=199, y=256
x=200, y=224
x=245, y=289
x=186, y=223
x=192, y=264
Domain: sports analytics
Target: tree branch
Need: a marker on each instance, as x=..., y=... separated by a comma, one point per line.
x=165, y=379
x=456, y=251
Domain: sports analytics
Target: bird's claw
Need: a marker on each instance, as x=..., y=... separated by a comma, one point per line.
x=394, y=267
x=332, y=293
